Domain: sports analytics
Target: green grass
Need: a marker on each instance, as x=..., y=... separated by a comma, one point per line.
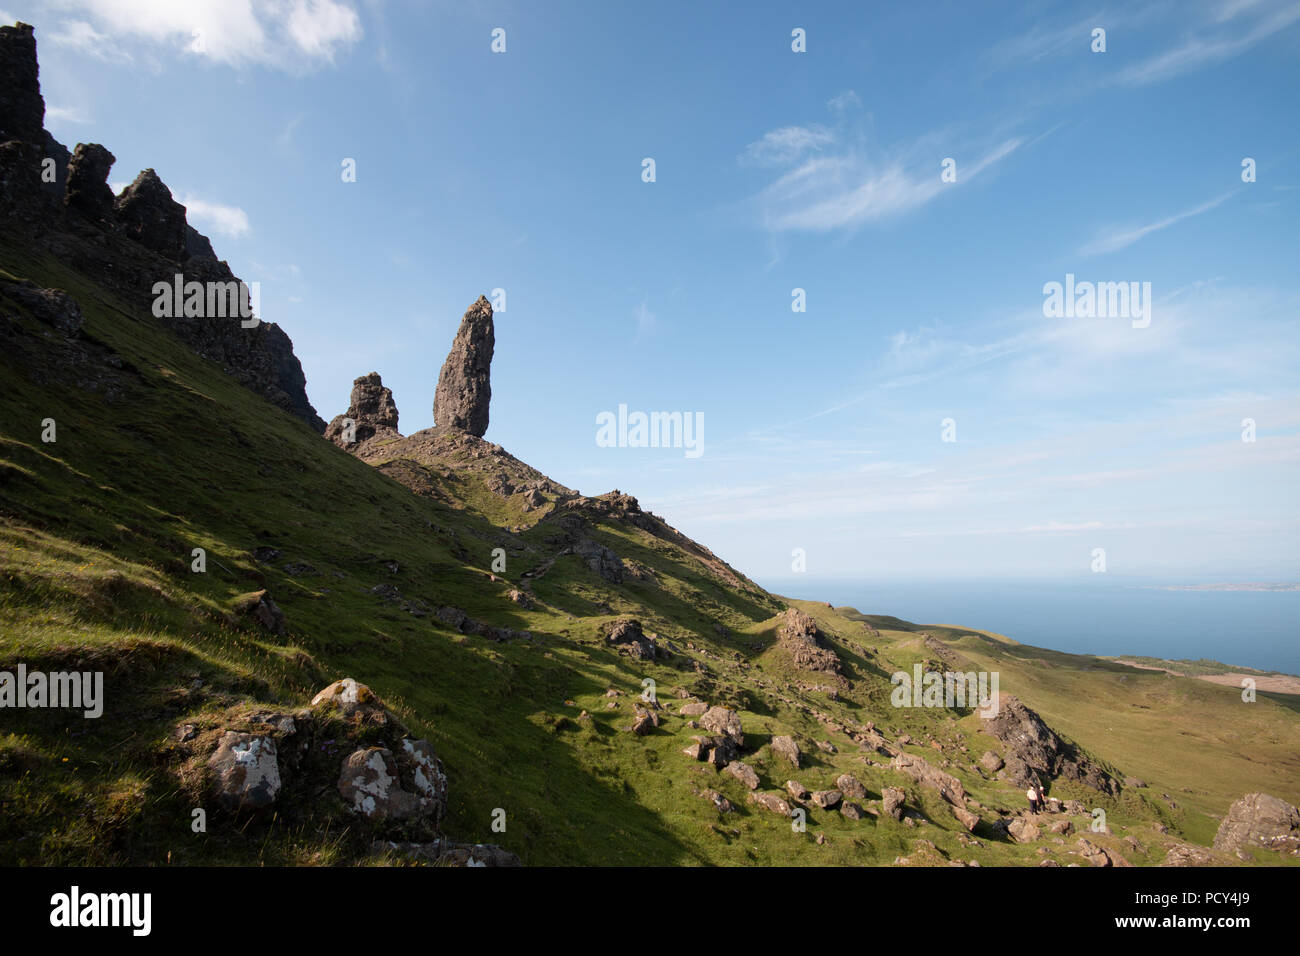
x=96, y=534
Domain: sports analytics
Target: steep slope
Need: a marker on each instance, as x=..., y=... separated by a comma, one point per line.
x=517, y=626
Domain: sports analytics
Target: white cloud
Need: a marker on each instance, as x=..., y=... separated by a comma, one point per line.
x=65, y=114
x=1119, y=237
x=285, y=34
x=844, y=102
x=835, y=192
x=1212, y=43
x=228, y=221
x=85, y=39
x=785, y=145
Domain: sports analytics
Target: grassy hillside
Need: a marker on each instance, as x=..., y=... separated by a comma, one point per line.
x=158, y=452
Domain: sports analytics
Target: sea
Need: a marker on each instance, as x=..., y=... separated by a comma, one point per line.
x=1258, y=629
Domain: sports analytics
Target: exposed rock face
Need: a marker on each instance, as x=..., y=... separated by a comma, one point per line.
x=88, y=190
x=371, y=410
x=464, y=387
x=125, y=247
x=1262, y=822
x=1035, y=753
x=22, y=109
x=150, y=216
x=802, y=639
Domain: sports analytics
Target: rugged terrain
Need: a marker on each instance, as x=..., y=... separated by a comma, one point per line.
x=565, y=678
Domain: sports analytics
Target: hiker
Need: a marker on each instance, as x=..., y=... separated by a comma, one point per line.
x=1042, y=799
x=1032, y=794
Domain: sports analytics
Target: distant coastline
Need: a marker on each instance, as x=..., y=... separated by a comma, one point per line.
x=1250, y=586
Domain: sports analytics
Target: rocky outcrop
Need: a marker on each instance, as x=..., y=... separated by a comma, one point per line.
x=1035, y=753
x=891, y=802
x=88, y=190
x=627, y=636
x=804, y=642
x=371, y=411
x=22, y=108
x=724, y=721
x=380, y=785
x=464, y=385
x=125, y=245
x=148, y=214
x=1259, y=821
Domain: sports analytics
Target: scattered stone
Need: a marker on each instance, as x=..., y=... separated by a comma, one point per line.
x=991, y=762
x=771, y=801
x=786, y=747
x=827, y=799
x=796, y=790
x=744, y=773
x=851, y=787
x=851, y=811
x=891, y=802
x=723, y=721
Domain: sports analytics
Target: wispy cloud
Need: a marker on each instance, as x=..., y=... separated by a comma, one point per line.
x=827, y=192
x=65, y=114
x=1119, y=237
x=281, y=34
x=229, y=221
x=787, y=144
x=1233, y=28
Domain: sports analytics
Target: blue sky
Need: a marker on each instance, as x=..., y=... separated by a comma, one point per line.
x=775, y=170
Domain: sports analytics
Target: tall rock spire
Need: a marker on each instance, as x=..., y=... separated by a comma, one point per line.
x=464, y=387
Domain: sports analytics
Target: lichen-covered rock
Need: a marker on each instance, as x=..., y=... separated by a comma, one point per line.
x=1261, y=822
x=891, y=802
x=827, y=799
x=380, y=785
x=464, y=385
x=349, y=698
x=246, y=771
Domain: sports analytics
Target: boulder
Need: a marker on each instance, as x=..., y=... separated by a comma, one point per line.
x=246, y=771
x=382, y=786
x=967, y=818
x=800, y=637
x=851, y=787
x=770, y=801
x=796, y=790
x=851, y=811
x=349, y=699
x=744, y=773
x=891, y=802
x=1023, y=831
x=827, y=799
x=723, y=721
x=464, y=384
x=626, y=634
x=1261, y=822
x=787, y=748
x=991, y=762
x=721, y=803
x=693, y=709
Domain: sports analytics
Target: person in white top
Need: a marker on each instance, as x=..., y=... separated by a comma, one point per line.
x=1032, y=794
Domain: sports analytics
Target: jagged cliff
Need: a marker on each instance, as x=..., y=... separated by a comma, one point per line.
x=60, y=204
